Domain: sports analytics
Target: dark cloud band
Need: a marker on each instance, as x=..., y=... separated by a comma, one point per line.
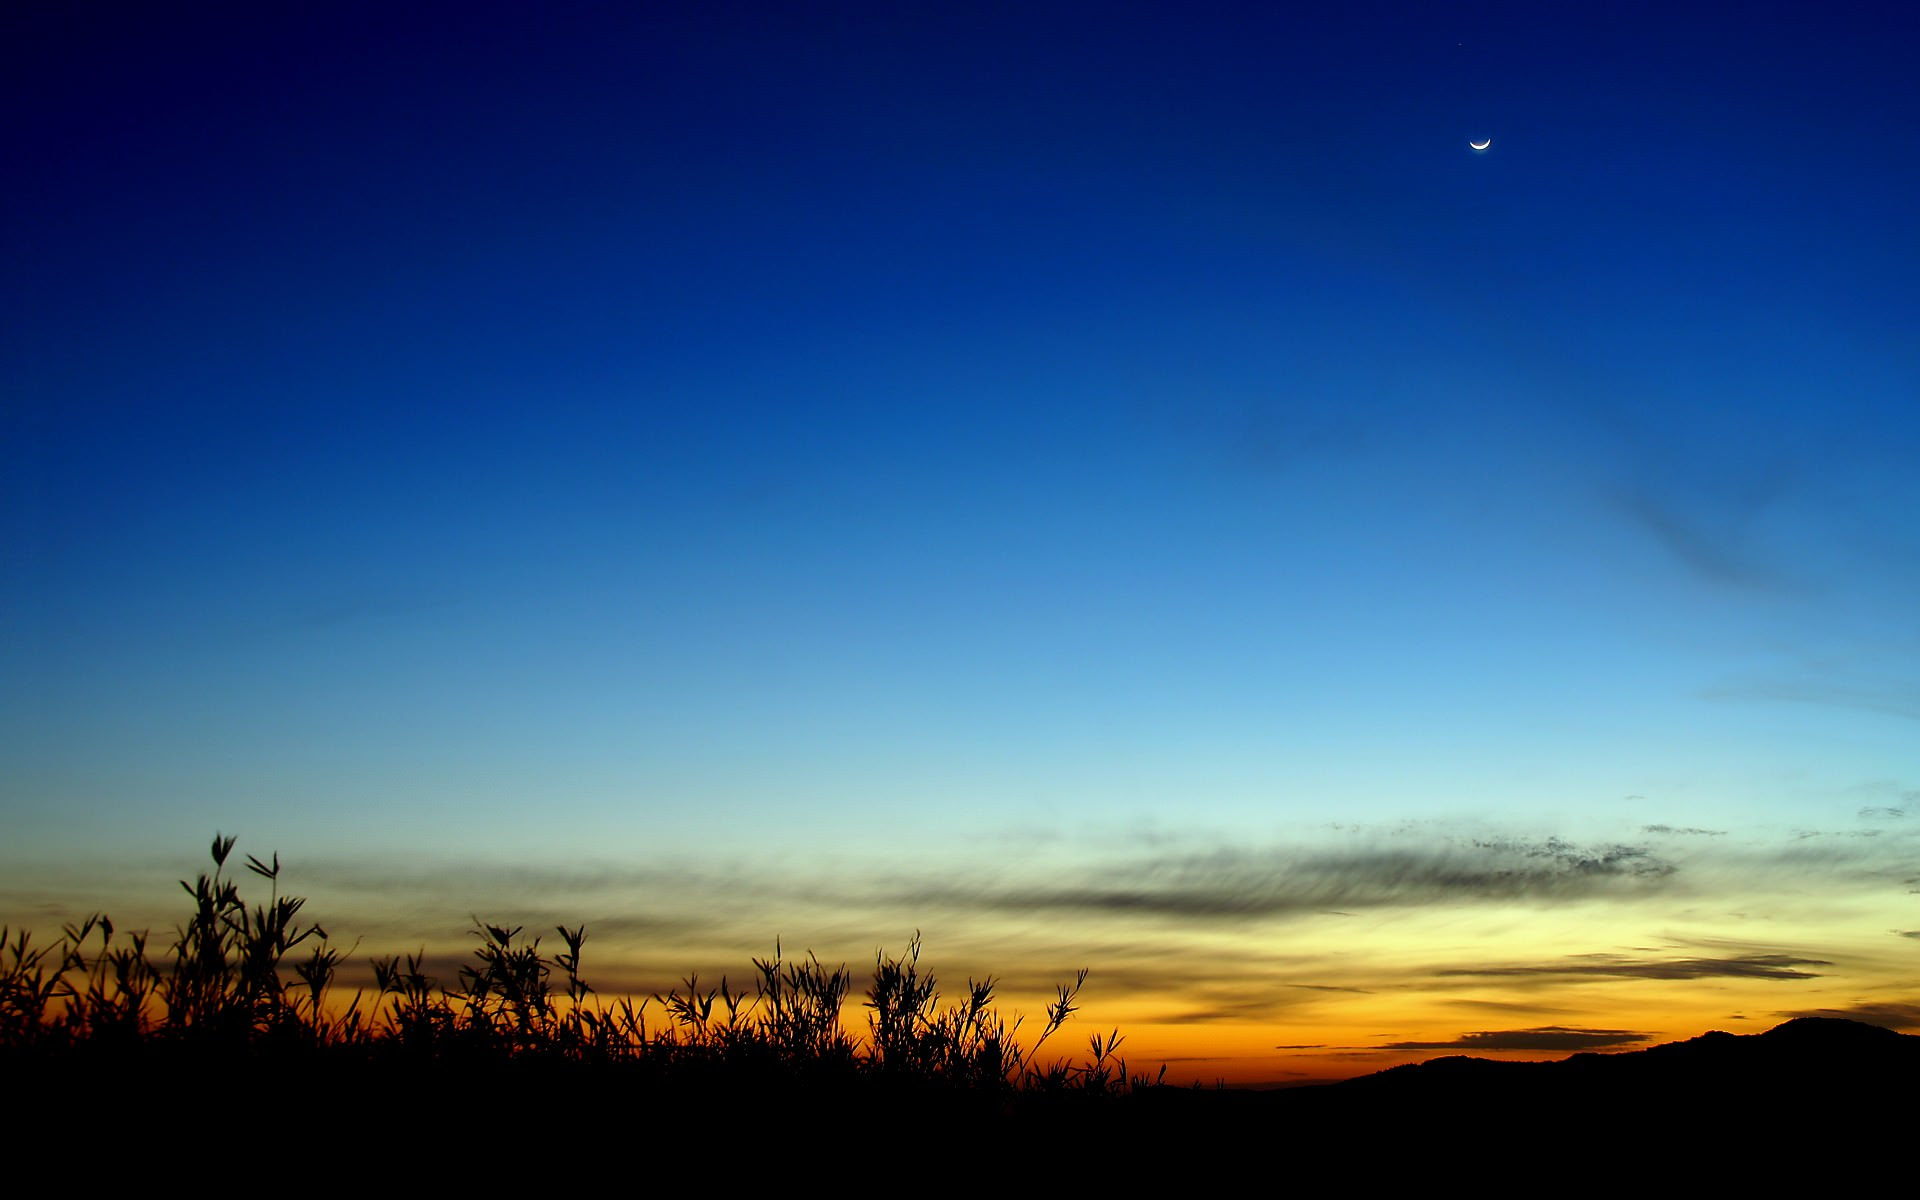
x=1610, y=966
x=1544, y=1038
x=1237, y=883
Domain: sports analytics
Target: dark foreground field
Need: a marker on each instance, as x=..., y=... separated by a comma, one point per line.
x=1821, y=1103
x=226, y=1059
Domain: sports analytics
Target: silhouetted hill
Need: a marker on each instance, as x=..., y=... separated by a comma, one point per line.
x=1815, y=1096
x=1806, y=1053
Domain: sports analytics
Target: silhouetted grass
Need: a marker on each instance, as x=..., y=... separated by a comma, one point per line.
x=224, y=1058
x=250, y=984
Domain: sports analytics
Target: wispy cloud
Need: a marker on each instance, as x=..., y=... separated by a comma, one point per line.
x=1717, y=551
x=1508, y=1006
x=1616, y=966
x=1272, y=883
x=1708, y=509
x=1893, y=698
x=1544, y=1038
x=1248, y=1010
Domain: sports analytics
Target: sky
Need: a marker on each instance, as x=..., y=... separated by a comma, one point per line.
x=1104, y=485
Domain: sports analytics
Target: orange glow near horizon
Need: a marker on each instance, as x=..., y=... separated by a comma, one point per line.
x=1248, y=1002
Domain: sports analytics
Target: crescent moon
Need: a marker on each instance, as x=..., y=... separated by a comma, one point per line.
x=1480, y=145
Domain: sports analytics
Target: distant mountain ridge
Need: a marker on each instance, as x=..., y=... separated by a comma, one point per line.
x=1816, y=1097
x=1806, y=1050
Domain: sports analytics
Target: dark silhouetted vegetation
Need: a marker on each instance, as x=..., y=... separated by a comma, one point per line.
x=255, y=982
x=227, y=1050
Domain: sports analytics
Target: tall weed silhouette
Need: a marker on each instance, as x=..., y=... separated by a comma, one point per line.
x=256, y=980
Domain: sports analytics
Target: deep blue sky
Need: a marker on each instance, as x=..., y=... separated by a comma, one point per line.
x=719, y=431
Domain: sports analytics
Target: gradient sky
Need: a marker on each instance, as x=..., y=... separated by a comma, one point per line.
x=1102, y=484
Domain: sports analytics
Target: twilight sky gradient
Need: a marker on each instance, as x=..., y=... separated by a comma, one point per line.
x=1104, y=485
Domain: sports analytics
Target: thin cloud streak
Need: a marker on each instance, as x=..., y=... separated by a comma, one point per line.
x=1280, y=883
x=1544, y=1038
x=1506, y=1006
x=1718, y=556
x=1613, y=966
x=1890, y=699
